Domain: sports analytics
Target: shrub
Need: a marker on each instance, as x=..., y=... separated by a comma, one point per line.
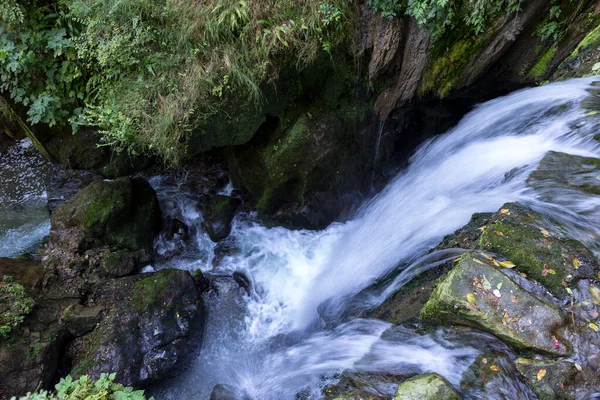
x=437, y=16
x=85, y=389
x=146, y=72
x=15, y=304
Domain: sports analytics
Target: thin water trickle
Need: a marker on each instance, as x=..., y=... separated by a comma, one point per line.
x=376, y=152
x=272, y=343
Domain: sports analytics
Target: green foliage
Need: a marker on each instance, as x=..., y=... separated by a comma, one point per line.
x=437, y=16
x=85, y=389
x=551, y=27
x=15, y=304
x=147, y=72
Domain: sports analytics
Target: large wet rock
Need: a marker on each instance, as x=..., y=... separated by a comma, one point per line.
x=146, y=328
x=426, y=387
x=123, y=212
x=478, y=294
x=106, y=229
x=525, y=238
x=218, y=215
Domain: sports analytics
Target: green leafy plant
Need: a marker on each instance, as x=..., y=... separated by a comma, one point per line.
x=15, y=305
x=437, y=16
x=147, y=73
x=84, y=388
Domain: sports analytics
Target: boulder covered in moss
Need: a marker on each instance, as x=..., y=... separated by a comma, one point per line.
x=123, y=212
x=106, y=229
x=218, y=214
x=426, y=387
x=524, y=237
x=476, y=293
x=146, y=328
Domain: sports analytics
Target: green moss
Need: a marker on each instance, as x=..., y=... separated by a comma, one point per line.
x=35, y=350
x=541, y=64
x=147, y=290
x=426, y=387
x=589, y=39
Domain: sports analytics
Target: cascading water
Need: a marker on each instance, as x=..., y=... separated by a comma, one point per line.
x=287, y=338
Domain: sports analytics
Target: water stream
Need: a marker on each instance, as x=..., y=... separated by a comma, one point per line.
x=294, y=331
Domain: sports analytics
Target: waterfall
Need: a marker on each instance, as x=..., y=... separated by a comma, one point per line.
x=286, y=338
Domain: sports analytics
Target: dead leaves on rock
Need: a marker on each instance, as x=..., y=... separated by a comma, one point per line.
x=547, y=270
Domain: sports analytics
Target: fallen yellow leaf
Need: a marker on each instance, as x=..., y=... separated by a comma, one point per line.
x=544, y=232
x=506, y=264
x=471, y=298
x=505, y=211
x=576, y=263
x=483, y=228
x=540, y=374
x=593, y=326
x=499, y=233
x=494, y=368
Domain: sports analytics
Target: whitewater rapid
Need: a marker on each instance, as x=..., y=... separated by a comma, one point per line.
x=294, y=332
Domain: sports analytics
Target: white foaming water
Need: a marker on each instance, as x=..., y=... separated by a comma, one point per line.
x=301, y=279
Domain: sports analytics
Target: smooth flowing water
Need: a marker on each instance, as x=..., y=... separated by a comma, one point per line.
x=297, y=327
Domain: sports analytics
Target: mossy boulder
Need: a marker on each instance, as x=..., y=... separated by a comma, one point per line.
x=218, y=214
x=124, y=212
x=524, y=237
x=549, y=379
x=476, y=293
x=426, y=387
x=148, y=323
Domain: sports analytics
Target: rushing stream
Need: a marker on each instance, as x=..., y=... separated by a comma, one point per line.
x=297, y=328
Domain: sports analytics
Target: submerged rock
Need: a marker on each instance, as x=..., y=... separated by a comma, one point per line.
x=426, y=387
x=478, y=294
x=218, y=215
x=492, y=375
x=549, y=379
x=149, y=322
x=565, y=171
x=354, y=385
